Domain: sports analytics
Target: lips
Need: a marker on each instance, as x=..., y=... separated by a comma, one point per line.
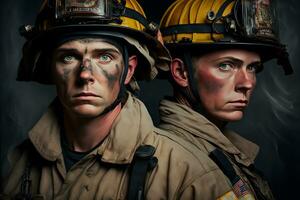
x=239, y=103
x=85, y=94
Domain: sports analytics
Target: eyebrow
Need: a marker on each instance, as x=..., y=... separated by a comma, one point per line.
x=90, y=40
x=238, y=61
x=109, y=41
x=74, y=50
x=107, y=50
x=257, y=63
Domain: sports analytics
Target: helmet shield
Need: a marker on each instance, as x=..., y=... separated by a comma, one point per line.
x=256, y=18
x=97, y=9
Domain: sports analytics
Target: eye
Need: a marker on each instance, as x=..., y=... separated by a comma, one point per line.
x=68, y=58
x=254, y=68
x=105, y=58
x=225, y=66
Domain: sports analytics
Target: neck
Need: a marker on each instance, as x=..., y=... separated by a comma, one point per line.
x=83, y=134
x=218, y=123
x=181, y=99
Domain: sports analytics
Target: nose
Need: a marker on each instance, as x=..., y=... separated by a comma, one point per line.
x=86, y=72
x=245, y=81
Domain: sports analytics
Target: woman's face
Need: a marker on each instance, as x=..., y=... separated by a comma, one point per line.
x=225, y=81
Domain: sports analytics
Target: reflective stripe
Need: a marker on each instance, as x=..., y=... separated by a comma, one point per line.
x=228, y=196
x=231, y=196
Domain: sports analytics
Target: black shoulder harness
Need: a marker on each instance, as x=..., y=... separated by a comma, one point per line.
x=143, y=161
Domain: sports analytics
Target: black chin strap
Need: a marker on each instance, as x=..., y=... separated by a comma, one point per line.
x=122, y=92
x=195, y=101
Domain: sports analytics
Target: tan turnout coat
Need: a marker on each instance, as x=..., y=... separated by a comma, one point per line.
x=186, y=124
x=103, y=173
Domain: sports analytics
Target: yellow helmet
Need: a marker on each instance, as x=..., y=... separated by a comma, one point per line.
x=217, y=24
x=62, y=20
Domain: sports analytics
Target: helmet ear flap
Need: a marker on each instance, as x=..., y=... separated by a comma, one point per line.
x=35, y=65
x=43, y=71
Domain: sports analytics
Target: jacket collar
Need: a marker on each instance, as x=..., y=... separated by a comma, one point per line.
x=184, y=120
x=129, y=130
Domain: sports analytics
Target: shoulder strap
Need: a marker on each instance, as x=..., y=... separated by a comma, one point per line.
x=25, y=192
x=216, y=156
x=34, y=161
x=143, y=161
x=224, y=164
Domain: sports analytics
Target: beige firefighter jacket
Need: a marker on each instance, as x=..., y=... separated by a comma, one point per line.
x=103, y=173
x=182, y=121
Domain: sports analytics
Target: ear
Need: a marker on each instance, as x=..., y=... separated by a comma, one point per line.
x=132, y=63
x=179, y=72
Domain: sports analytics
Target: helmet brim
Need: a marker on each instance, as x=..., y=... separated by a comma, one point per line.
x=266, y=51
x=59, y=34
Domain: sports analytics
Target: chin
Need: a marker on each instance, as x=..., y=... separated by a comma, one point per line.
x=87, y=111
x=231, y=116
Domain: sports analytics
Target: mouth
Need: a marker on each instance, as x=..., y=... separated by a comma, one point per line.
x=239, y=103
x=85, y=95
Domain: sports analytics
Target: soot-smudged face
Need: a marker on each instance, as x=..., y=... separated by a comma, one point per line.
x=87, y=75
x=226, y=80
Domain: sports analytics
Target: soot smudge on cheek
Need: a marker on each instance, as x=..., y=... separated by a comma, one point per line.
x=66, y=74
x=111, y=77
x=210, y=83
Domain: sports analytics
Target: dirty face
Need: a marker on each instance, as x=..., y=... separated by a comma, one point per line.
x=87, y=73
x=225, y=81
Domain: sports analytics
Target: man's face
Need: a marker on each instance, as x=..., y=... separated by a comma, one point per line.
x=226, y=80
x=87, y=73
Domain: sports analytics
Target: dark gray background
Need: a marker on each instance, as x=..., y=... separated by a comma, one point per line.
x=272, y=119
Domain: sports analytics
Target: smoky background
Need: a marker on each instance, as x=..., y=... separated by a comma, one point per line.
x=272, y=119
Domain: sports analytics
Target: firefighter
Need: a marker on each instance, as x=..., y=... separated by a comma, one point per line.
x=97, y=140
x=217, y=49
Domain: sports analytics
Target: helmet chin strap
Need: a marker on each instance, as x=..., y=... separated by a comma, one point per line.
x=193, y=97
x=122, y=92
x=194, y=100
